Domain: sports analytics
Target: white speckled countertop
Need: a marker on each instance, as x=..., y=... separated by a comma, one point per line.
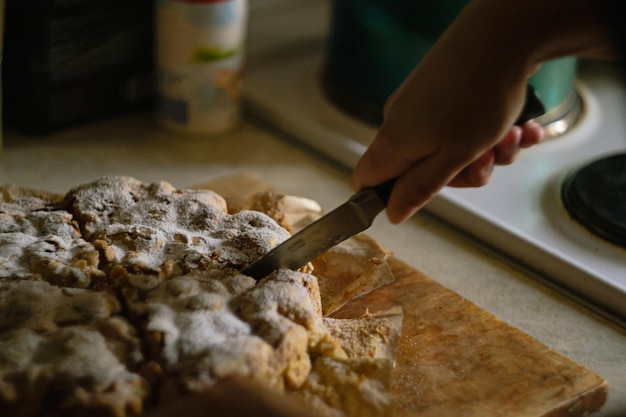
x=134, y=145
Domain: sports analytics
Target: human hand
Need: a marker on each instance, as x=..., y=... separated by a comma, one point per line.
x=504, y=152
x=452, y=119
x=445, y=130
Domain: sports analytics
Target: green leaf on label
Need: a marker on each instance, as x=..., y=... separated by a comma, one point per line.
x=212, y=54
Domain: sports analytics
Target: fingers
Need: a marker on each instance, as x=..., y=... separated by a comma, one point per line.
x=505, y=152
x=420, y=169
x=517, y=138
x=476, y=174
x=419, y=183
x=507, y=149
x=420, y=179
x=380, y=162
x=532, y=134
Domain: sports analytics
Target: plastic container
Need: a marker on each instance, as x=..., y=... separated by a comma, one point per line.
x=199, y=59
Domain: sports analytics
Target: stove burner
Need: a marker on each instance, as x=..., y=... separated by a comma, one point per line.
x=563, y=117
x=595, y=196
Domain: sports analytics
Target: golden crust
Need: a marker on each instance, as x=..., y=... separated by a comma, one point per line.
x=11, y=193
x=42, y=242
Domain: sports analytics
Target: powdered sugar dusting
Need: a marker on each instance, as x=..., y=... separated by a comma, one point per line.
x=85, y=277
x=149, y=225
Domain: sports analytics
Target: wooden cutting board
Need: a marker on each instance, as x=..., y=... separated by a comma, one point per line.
x=456, y=359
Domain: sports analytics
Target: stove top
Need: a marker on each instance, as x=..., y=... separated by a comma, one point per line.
x=519, y=213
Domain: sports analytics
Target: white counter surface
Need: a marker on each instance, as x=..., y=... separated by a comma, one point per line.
x=134, y=145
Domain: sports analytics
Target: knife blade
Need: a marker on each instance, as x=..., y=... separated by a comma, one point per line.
x=352, y=217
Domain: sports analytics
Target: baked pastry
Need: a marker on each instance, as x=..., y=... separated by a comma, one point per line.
x=121, y=296
x=42, y=241
x=66, y=351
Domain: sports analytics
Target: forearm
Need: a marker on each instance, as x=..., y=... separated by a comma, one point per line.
x=539, y=30
x=497, y=45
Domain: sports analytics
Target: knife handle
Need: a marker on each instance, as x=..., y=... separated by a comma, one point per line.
x=533, y=107
x=383, y=191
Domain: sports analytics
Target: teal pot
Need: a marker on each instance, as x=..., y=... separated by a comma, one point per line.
x=374, y=44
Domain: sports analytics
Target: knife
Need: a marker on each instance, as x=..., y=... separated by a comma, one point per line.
x=352, y=217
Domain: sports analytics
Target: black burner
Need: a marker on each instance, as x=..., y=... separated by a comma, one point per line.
x=595, y=195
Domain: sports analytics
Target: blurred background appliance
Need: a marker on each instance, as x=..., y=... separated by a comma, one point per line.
x=70, y=61
x=374, y=44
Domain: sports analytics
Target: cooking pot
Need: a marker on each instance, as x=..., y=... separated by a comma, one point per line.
x=374, y=44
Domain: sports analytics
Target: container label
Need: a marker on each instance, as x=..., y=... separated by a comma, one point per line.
x=200, y=59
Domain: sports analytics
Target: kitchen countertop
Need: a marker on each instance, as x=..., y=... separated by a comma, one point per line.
x=135, y=145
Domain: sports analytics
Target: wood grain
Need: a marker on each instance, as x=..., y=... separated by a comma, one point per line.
x=456, y=359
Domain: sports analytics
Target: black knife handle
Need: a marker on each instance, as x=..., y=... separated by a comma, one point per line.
x=533, y=107
x=383, y=191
